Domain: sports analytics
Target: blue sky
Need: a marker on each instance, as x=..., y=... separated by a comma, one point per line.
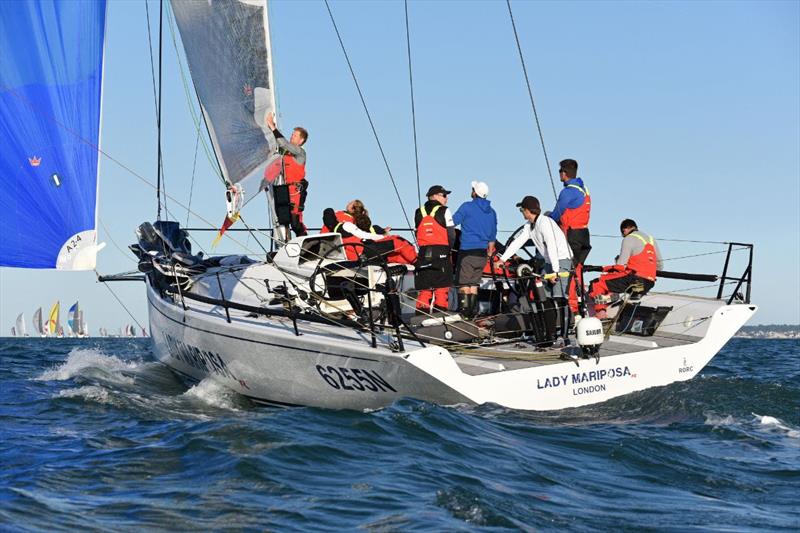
x=684, y=116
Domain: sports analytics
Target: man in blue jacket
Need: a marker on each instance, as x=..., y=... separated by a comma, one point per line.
x=478, y=223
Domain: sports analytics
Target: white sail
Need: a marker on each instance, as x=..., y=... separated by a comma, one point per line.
x=227, y=47
x=20, y=325
x=38, y=323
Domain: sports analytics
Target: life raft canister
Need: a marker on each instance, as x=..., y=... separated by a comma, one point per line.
x=577, y=217
x=429, y=231
x=644, y=263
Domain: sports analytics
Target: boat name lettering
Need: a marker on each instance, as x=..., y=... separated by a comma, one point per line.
x=197, y=358
x=577, y=391
x=355, y=379
x=583, y=377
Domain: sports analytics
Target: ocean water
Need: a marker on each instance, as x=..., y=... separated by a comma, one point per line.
x=96, y=436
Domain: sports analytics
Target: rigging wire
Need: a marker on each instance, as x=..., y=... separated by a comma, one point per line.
x=413, y=112
x=530, y=95
x=191, y=187
x=160, y=181
x=369, y=117
x=210, y=154
x=96, y=273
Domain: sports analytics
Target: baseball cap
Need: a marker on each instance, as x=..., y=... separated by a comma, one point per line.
x=531, y=203
x=437, y=189
x=480, y=188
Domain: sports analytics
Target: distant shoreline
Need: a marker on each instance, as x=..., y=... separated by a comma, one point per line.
x=773, y=331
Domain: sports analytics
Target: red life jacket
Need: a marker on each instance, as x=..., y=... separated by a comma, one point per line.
x=293, y=173
x=341, y=216
x=644, y=263
x=429, y=231
x=352, y=252
x=577, y=217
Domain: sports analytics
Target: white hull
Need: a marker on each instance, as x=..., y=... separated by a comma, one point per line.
x=335, y=367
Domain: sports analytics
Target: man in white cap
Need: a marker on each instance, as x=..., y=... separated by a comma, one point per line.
x=478, y=223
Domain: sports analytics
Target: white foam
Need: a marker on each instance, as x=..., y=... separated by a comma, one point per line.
x=89, y=392
x=212, y=393
x=771, y=422
x=716, y=420
x=83, y=358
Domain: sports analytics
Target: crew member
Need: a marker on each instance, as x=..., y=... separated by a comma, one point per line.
x=552, y=245
x=352, y=232
x=436, y=234
x=637, y=262
x=340, y=216
x=572, y=214
x=292, y=164
x=478, y=223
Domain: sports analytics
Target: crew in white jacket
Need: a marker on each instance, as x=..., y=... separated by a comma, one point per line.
x=550, y=242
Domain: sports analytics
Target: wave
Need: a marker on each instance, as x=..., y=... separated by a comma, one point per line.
x=81, y=360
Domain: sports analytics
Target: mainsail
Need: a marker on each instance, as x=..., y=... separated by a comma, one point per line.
x=20, y=325
x=51, y=70
x=228, y=50
x=38, y=322
x=53, y=323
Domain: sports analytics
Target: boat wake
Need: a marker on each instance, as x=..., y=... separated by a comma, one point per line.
x=128, y=381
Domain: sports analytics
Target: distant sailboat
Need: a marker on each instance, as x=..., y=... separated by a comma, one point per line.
x=13, y=331
x=20, y=326
x=53, y=323
x=38, y=323
x=72, y=317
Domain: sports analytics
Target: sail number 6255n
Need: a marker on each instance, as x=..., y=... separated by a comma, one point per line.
x=357, y=379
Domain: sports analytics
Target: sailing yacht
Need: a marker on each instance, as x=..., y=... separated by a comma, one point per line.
x=305, y=325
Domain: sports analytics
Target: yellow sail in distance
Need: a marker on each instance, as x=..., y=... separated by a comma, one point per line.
x=52, y=322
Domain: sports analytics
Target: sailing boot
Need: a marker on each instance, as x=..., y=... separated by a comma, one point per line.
x=472, y=305
x=463, y=305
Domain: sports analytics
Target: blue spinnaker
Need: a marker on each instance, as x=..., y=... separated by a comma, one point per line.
x=51, y=70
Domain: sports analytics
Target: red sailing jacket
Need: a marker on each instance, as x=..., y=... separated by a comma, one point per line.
x=578, y=217
x=644, y=263
x=352, y=252
x=341, y=216
x=429, y=231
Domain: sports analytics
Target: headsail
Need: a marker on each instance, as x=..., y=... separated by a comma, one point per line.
x=51, y=69
x=229, y=55
x=20, y=324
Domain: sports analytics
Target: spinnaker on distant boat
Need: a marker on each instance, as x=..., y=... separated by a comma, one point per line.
x=51, y=70
x=53, y=322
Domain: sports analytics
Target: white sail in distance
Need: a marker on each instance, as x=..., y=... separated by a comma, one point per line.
x=38, y=322
x=228, y=50
x=20, y=325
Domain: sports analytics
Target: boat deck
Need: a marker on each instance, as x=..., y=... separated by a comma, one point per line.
x=484, y=359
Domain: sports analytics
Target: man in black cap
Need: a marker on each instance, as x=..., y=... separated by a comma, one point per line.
x=436, y=235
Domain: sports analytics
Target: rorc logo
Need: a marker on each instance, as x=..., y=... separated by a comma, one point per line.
x=686, y=368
